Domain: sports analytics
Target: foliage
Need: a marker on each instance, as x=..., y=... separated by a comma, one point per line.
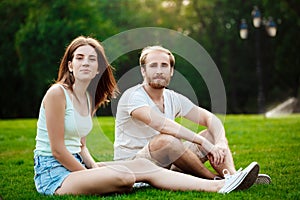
x=34, y=34
x=273, y=143
x=12, y=14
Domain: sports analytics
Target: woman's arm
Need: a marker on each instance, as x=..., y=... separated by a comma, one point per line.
x=55, y=104
x=86, y=156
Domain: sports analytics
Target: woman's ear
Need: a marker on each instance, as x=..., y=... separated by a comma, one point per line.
x=70, y=66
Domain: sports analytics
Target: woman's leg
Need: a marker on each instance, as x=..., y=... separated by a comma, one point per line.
x=102, y=180
x=145, y=171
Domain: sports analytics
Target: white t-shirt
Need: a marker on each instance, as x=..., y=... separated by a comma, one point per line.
x=131, y=135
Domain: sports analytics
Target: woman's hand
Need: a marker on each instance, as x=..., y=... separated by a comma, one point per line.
x=94, y=165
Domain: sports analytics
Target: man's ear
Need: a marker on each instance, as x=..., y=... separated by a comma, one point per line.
x=143, y=71
x=70, y=66
x=172, y=71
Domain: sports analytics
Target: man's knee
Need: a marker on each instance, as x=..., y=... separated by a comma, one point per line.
x=164, y=141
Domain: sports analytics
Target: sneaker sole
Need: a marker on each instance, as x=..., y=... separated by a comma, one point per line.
x=263, y=179
x=251, y=177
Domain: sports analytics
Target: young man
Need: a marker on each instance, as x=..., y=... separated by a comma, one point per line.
x=145, y=126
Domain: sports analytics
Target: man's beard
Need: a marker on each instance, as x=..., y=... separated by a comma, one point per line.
x=158, y=84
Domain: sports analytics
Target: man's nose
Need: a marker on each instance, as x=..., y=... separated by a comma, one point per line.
x=159, y=69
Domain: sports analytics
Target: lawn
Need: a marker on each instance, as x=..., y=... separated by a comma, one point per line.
x=273, y=143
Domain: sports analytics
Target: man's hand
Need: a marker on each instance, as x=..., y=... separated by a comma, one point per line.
x=217, y=155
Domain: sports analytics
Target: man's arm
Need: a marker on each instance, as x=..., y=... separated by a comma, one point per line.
x=205, y=118
x=170, y=127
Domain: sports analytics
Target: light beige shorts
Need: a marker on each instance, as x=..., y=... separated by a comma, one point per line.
x=145, y=153
x=200, y=153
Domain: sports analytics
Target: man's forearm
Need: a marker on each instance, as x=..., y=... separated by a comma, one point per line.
x=173, y=128
x=216, y=128
x=170, y=127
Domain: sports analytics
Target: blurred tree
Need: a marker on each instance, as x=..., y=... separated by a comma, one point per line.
x=41, y=41
x=216, y=26
x=286, y=69
x=34, y=34
x=13, y=15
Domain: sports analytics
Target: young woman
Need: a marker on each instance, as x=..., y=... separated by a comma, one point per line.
x=63, y=164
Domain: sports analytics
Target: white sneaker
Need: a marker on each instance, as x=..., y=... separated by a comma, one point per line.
x=231, y=181
x=241, y=179
x=252, y=172
x=140, y=185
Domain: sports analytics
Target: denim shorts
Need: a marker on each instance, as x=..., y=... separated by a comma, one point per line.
x=49, y=174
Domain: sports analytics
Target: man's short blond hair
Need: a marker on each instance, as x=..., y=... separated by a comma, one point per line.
x=150, y=49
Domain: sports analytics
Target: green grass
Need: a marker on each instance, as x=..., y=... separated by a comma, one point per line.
x=273, y=143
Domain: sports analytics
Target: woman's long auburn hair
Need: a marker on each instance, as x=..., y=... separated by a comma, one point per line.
x=103, y=87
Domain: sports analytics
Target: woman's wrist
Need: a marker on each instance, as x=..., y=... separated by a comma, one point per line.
x=94, y=165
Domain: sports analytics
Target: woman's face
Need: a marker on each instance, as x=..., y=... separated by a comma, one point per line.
x=84, y=64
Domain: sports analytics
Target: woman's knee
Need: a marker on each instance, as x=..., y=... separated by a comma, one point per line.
x=123, y=177
x=144, y=163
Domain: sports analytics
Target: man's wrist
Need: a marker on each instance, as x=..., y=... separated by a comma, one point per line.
x=207, y=145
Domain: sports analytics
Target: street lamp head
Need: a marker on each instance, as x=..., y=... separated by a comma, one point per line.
x=256, y=15
x=243, y=29
x=271, y=27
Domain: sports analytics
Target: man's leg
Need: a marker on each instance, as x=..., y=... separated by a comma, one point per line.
x=228, y=163
x=168, y=150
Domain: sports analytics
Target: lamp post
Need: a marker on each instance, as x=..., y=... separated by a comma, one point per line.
x=271, y=30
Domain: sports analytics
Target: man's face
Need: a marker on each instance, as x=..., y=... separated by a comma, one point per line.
x=157, y=71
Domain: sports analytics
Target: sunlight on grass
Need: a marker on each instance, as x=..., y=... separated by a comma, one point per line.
x=273, y=143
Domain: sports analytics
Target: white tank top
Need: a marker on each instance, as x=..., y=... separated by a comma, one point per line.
x=76, y=127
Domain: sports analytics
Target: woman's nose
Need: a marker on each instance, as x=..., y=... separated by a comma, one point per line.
x=85, y=61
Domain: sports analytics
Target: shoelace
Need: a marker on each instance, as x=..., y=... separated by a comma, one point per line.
x=216, y=178
x=227, y=174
